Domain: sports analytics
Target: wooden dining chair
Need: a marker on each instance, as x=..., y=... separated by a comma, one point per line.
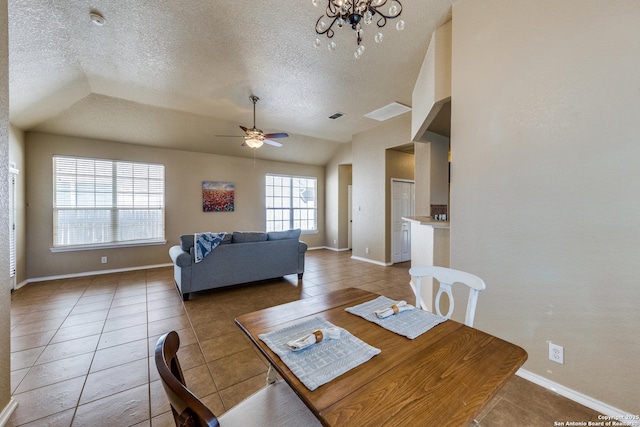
x=274, y=405
x=447, y=277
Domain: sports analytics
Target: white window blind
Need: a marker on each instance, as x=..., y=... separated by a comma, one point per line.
x=291, y=203
x=98, y=202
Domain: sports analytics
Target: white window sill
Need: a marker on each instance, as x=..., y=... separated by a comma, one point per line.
x=111, y=245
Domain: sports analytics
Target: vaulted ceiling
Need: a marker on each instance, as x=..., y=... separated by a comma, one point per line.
x=175, y=74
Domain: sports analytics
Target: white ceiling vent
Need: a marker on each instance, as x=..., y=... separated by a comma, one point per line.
x=387, y=112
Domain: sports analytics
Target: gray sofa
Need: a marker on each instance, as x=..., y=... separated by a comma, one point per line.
x=242, y=257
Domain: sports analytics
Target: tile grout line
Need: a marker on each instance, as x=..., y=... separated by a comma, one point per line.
x=75, y=409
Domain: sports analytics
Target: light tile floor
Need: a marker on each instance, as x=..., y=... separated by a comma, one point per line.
x=82, y=348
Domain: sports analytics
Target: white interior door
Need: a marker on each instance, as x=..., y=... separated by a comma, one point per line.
x=402, y=205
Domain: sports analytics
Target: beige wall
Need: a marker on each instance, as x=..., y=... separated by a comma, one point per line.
x=422, y=174
x=184, y=173
x=433, y=85
x=545, y=172
x=439, y=172
x=5, y=297
x=17, y=155
x=431, y=174
x=369, y=184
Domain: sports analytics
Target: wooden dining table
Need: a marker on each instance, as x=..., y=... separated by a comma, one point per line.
x=444, y=377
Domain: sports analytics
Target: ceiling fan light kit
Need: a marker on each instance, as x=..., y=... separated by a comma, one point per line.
x=255, y=137
x=253, y=142
x=355, y=13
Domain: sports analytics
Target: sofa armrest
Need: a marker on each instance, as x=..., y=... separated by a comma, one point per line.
x=180, y=257
x=302, y=247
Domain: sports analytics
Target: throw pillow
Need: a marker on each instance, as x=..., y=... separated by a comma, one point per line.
x=248, y=236
x=281, y=235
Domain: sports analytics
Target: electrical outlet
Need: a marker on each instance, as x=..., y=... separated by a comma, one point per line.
x=335, y=241
x=366, y=250
x=104, y=259
x=556, y=353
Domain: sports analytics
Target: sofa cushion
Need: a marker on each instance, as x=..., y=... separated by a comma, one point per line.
x=280, y=235
x=186, y=241
x=248, y=236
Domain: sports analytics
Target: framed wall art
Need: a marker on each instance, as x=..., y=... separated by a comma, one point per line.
x=218, y=196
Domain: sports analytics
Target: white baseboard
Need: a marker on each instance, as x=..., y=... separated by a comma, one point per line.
x=384, y=264
x=7, y=411
x=576, y=396
x=336, y=249
x=329, y=248
x=91, y=273
x=21, y=284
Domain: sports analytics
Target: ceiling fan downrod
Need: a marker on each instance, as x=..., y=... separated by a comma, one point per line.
x=254, y=99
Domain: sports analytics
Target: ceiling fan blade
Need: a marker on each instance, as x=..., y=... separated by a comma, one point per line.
x=276, y=135
x=244, y=129
x=274, y=143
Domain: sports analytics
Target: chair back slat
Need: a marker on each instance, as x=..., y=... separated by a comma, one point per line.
x=187, y=409
x=447, y=277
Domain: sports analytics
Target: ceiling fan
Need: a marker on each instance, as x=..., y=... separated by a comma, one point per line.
x=255, y=137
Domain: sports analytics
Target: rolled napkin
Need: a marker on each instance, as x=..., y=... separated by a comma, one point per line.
x=314, y=337
x=396, y=308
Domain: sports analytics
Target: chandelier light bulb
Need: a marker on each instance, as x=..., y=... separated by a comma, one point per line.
x=393, y=10
x=376, y=3
x=338, y=3
x=368, y=17
x=400, y=25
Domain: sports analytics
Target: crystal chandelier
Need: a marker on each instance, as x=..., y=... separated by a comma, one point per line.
x=357, y=13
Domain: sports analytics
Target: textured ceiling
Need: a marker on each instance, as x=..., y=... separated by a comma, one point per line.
x=176, y=74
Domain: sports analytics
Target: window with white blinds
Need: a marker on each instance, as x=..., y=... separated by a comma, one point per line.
x=99, y=202
x=291, y=203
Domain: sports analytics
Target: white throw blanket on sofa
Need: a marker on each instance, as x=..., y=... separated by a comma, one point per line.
x=204, y=243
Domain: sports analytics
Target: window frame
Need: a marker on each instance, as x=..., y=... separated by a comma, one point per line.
x=291, y=208
x=155, y=204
